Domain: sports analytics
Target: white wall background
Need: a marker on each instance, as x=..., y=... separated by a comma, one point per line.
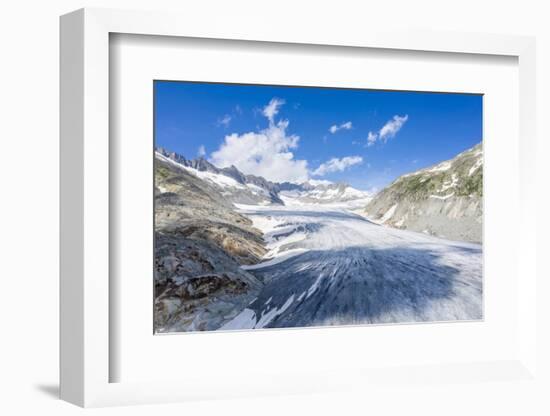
x=29, y=208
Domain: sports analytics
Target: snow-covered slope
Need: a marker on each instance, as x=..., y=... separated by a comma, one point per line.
x=327, y=194
x=328, y=266
x=444, y=200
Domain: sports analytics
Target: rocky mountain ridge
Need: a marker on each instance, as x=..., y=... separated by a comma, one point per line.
x=329, y=194
x=249, y=189
x=445, y=200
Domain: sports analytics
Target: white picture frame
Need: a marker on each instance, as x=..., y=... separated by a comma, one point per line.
x=86, y=356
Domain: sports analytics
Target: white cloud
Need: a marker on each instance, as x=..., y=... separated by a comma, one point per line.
x=272, y=109
x=268, y=152
x=371, y=139
x=225, y=120
x=344, y=126
x=201, y=151
x=391, y=128
x=264, y=153
x=337, y=165
x=388, y=131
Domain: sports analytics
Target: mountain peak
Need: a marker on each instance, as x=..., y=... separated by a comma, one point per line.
x=203, y=165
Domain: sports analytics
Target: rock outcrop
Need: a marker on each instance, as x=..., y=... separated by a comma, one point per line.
x=200, y=244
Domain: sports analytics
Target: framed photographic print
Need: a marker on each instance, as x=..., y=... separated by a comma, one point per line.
x=286, y=207
x=322, y=199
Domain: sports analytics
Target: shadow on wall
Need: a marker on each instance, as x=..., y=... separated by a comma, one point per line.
x=51, y=390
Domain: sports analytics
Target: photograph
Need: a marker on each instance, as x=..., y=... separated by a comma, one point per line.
x=282, y=206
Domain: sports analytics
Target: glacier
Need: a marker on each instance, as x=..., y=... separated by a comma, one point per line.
x=330, y=266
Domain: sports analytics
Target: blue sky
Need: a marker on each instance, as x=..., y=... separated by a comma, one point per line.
x=366, y=138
